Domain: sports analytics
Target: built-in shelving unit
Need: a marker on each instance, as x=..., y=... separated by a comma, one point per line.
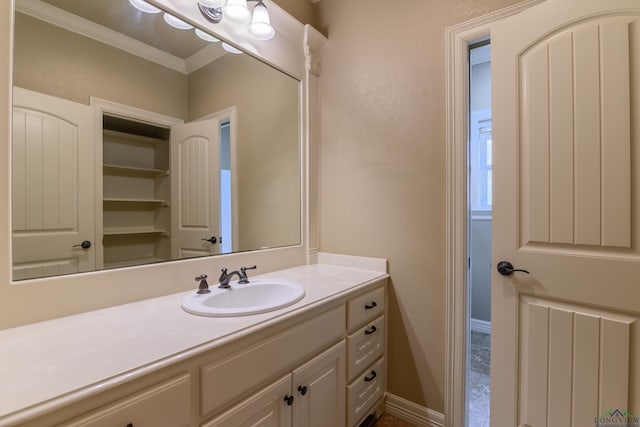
x=136, y=193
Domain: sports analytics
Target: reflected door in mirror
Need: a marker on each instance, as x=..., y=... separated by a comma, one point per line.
x=53, y=186
x=195, y=214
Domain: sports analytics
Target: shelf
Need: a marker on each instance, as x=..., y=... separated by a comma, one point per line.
x=131, y=263
x=133, y=231
x=134, y=171
x=147, y=201
x=129, y=138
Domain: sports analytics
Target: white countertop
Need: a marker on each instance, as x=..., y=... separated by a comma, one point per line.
x=48, y=364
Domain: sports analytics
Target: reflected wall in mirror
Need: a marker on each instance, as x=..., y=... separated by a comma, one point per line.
x=135, y=142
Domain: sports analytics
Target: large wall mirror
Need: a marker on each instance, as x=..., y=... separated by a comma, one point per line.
x=136, y=142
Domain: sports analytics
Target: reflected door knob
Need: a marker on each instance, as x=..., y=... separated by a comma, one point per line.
x=84, y=245
x=211, y=240
x=506, y=268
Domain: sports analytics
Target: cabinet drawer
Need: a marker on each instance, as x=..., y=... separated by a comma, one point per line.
x=365, y=308
x=223, y=381
x=365, y=391
x=364, y=346
x=166, y=404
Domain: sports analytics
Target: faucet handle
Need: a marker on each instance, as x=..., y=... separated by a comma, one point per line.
x=203, y=288
x=243, y=274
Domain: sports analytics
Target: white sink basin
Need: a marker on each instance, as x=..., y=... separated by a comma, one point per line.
x=258, y=296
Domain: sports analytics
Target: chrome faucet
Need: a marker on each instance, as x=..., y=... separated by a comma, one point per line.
x=225, y=277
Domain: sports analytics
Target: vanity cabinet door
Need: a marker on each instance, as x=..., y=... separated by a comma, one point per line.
x=319, y=390
x=166, y=404
x=267, y=408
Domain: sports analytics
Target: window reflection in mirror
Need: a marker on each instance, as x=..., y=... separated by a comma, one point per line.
x=135, y=142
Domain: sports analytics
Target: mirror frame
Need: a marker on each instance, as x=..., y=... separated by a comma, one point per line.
x=294, y=50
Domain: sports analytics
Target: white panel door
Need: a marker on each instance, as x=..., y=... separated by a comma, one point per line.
x=195, y=188
x=52, y=185
x=566, y=337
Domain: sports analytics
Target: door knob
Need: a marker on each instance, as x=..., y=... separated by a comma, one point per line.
x=506, y=268
x=211, y=240
x=84, y=245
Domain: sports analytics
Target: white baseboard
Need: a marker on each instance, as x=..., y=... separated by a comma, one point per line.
x=481, y=326
x=412, y=412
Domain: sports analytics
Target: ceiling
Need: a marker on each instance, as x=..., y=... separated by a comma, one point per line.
x=148, y=28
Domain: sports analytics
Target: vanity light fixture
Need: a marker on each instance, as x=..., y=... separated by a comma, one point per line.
x=237, y=12
x=145, y=7
x=176, y=22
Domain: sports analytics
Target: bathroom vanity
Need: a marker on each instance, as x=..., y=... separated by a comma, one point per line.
x=318, y=362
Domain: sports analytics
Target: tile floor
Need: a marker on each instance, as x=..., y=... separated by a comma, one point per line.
x=478, y=412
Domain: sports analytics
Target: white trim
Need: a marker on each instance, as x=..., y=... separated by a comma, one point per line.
x=412, y=412
x=457, y=40
x=481, y=326
x=363, y=263
x=87, y=28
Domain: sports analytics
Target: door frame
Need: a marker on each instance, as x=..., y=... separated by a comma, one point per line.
x=457, y=40
x=230, y=114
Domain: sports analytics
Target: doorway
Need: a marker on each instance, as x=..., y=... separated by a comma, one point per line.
x=479, y=207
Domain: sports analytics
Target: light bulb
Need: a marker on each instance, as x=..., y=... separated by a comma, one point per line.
x=206, y=36
x=176, y=22
x=212, y=3
x=231, y=49
x=143, y=6
x=261, y=24
x=237, y=11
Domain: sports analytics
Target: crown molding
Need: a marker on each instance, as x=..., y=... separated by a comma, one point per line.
x=68, y=21
x=84, y=27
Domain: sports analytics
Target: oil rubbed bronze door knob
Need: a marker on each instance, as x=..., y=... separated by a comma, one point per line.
x=506, y=268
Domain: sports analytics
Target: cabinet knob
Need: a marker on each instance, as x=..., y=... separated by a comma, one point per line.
x=370, y=306
x=289, y=400
x=302, y=390
x=130, y=425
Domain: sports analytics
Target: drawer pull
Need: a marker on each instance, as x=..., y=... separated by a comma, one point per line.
x=371, y=378
x=370, y=330
x=370, y=306
x=289, y=400
x=302, y=390
x=130, y=425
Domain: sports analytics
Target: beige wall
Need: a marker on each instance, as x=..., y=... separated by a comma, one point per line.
x=382, y=165
x=268, y=156
x=78, y=67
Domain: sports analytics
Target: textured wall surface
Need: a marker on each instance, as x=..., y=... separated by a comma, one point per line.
x=382, y=165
